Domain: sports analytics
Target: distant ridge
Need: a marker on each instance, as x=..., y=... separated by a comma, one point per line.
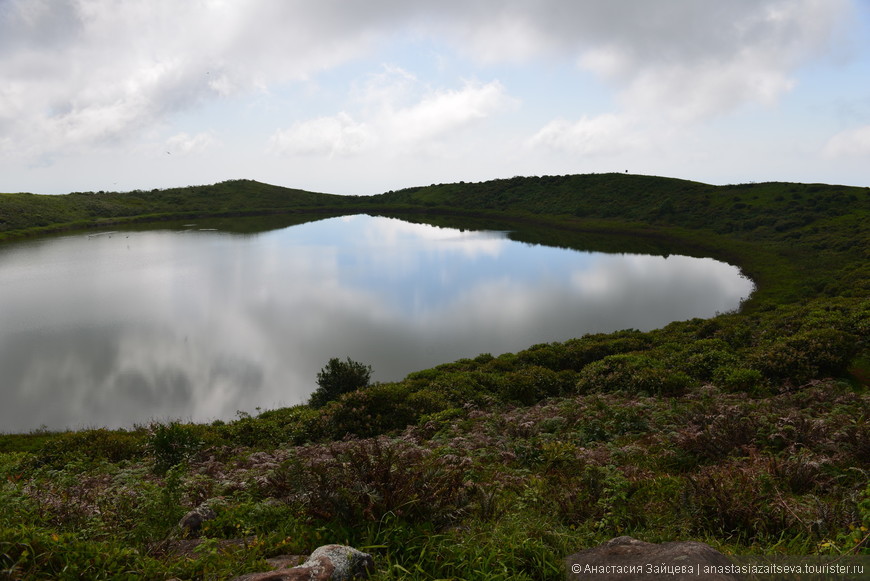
x=648, y=199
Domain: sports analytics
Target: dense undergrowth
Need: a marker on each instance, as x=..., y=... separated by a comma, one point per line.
x=749, y=431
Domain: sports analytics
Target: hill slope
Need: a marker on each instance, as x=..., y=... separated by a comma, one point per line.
x=21, y=214
x=754, y=211
x=817, y=236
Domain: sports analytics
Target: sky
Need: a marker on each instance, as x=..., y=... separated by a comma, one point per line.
x=362, y=97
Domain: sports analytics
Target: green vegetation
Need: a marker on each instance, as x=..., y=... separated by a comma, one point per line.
x=339, y=377
x=749, y=431
x=29, y=214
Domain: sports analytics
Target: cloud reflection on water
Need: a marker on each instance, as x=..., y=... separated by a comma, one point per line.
x=159, y=324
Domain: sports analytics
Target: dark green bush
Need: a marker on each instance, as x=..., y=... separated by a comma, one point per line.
x=32, y=553
x=807, y=355
x=272, y=427
x=739, y=379
x=473, y=387
x=377, y=410
x=549, y=355
x=533, y=384
x=100, y=444
x=603, y=423
x=365, y=480
x=632, y=373
x=339, y=377
x=704, y=357
x=600, y=494
x=171, y=444
x=580, y=352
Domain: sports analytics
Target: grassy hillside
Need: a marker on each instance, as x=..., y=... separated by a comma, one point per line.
x=26, y=214
x=749, y=431
x=818, y=232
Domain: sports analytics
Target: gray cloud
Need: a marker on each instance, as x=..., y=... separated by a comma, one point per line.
x=88, y=73
x=38, y=25
x=682, y=58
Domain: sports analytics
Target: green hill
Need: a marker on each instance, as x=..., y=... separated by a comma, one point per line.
x=795, y=240
x=768, y=211
x=26, y=214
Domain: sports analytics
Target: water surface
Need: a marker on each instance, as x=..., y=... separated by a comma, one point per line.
x=112, y=329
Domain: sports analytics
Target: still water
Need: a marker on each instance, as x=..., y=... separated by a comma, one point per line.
x=111, y=329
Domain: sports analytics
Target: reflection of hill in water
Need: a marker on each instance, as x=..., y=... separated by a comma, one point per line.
x=593, y=240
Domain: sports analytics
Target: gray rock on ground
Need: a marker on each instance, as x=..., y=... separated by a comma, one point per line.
x=628, y=559
x=191, y=523
x=326, y=563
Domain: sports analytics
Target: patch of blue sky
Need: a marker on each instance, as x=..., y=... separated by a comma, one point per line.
x=420, y=273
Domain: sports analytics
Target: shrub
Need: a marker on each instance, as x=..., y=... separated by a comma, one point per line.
x=731, y=500
x=749, y=498
x=171, y=444
x=599, y=493
x=738, y=379
x=716, y=435
x=30, y=553
x=610, y=421
x=367, y=479
x=467, y=387
x=430, y=424
x=857, y=539
x=100, y=444
x=800, y=472
x=532, y=384
x=339, y=377
x=581, y=352
x=550, y=355
x=855, y=439
x=800, y=429
x=807, y=355
x=704, y=357
x=378, y=410
x=272, y=427
x=632, y=373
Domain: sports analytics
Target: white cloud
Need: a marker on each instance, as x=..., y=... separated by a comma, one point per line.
x=138, y=62
x=590, y=136
x=79, y=73
x=684, y=59
x=107, y=78
x=691, y=61
x=685, y=94
x=447, y=111
x=849, y=143
x=390, y=122
x=330, y=136
x=676, y=63
x=185, y=144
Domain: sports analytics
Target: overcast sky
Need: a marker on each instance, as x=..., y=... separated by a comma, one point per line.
x=361, y=97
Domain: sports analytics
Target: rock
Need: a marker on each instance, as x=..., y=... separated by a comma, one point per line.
x=192, y=521
x=285, y=561
x=628, y=559
x=326, y=563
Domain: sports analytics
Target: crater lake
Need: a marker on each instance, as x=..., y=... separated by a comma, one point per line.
x=117, y=328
